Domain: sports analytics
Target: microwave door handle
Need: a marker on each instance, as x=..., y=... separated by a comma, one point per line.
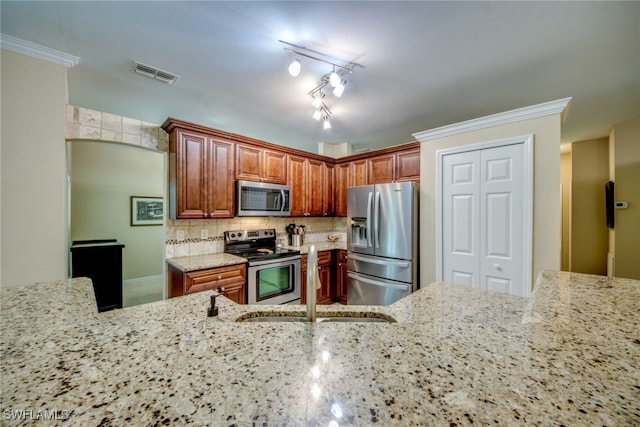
x=369, y=219
x=282, y=198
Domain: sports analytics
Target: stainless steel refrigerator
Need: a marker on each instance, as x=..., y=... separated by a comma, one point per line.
x=382, y=242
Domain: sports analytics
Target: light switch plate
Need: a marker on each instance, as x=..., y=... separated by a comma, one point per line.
x=204, y=234
x=180, y=235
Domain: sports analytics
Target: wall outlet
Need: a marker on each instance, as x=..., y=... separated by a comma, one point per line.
x=180, y=235
x=204, y=234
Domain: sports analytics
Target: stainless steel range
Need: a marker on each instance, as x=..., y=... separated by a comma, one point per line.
x=273, y=272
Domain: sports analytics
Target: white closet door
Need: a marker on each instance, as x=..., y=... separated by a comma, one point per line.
x=461, y=218
x=502, y=216
x=483, y=218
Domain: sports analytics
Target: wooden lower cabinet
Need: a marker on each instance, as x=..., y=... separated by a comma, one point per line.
x=341, y=277
x=233, y=278
x=324, y=295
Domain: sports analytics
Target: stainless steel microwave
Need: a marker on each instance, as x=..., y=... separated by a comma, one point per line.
x=262, y=199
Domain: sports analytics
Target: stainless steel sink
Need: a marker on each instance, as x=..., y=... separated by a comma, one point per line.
x=364, y=317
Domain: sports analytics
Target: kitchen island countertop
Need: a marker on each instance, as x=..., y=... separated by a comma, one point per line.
x=569, y=355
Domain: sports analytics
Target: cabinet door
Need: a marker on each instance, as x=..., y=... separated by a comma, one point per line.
x=219, y=178
x=341, y=277
x=214, y=278
x=248, y=162
x=341, y=184
x=297, y=182
x=236, y=292
x=408, y=165
x=315, y=188
x=324, y=269
x=329, y=207
x=358, y=173
x=381, y=169
x=188, y=179
x=275, y=167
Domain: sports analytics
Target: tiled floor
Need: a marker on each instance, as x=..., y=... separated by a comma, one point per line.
x=140, y=292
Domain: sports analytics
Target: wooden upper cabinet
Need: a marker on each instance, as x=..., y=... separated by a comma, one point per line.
x=254, y=163
x=408, y=165
x=201, y=176
x=328, y=205
x=341, y=184
x=297, y=182
x=315, y=188
x=381, y=168
x=358, y=173
x=220, y=178
x=394, y=167
x=308, y=179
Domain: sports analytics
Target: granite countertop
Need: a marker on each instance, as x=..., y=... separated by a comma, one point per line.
x=456, y=356
x=201, y=262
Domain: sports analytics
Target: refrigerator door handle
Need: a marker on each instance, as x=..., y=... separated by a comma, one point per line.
x=404, y=264
x=362, y=279
x=369, y=218
x=377, y=220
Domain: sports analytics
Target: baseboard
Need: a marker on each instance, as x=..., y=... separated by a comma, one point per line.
x=143, y=280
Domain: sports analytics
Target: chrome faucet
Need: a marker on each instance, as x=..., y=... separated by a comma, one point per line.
x=313, y=283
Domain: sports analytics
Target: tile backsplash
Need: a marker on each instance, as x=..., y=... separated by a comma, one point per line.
x=205, y=236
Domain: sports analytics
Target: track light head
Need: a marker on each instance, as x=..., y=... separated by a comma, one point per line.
x=339, y=89
x=317, y=100
x=295, y=67
x=334, y=78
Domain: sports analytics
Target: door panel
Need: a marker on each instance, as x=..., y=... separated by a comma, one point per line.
x=461, y=221
x=503, y=211
x=483, y=218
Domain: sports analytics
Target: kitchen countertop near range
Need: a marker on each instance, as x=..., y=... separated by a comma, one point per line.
x=457, y=355
x=202, y=262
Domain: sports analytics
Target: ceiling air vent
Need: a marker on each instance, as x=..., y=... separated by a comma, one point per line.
x=155, y=73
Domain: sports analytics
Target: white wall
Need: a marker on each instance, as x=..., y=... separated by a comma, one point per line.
x=34, y=183
x=103, y=178
x=546, y=198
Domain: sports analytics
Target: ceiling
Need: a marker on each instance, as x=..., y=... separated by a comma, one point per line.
x=421, y=65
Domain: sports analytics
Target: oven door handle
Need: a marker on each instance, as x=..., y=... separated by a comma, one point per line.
x=274, y=261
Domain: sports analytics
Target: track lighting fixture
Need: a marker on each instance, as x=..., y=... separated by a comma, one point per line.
x=339, y=89
x=317, y=99
x=294, y=68
x=335, y=79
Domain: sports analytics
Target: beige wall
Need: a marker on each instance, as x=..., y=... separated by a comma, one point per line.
x=546, y=199
x=34, y=182
x=565, y=179
x=626, y=234
x=103, y=177
x=589, y=233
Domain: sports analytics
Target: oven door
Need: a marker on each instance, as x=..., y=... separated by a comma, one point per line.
x=274, y=281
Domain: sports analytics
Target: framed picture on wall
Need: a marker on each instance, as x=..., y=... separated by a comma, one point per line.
x=147, y=210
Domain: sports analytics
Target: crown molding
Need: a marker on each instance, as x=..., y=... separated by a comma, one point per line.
x=559, y=106
x=36, y=51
